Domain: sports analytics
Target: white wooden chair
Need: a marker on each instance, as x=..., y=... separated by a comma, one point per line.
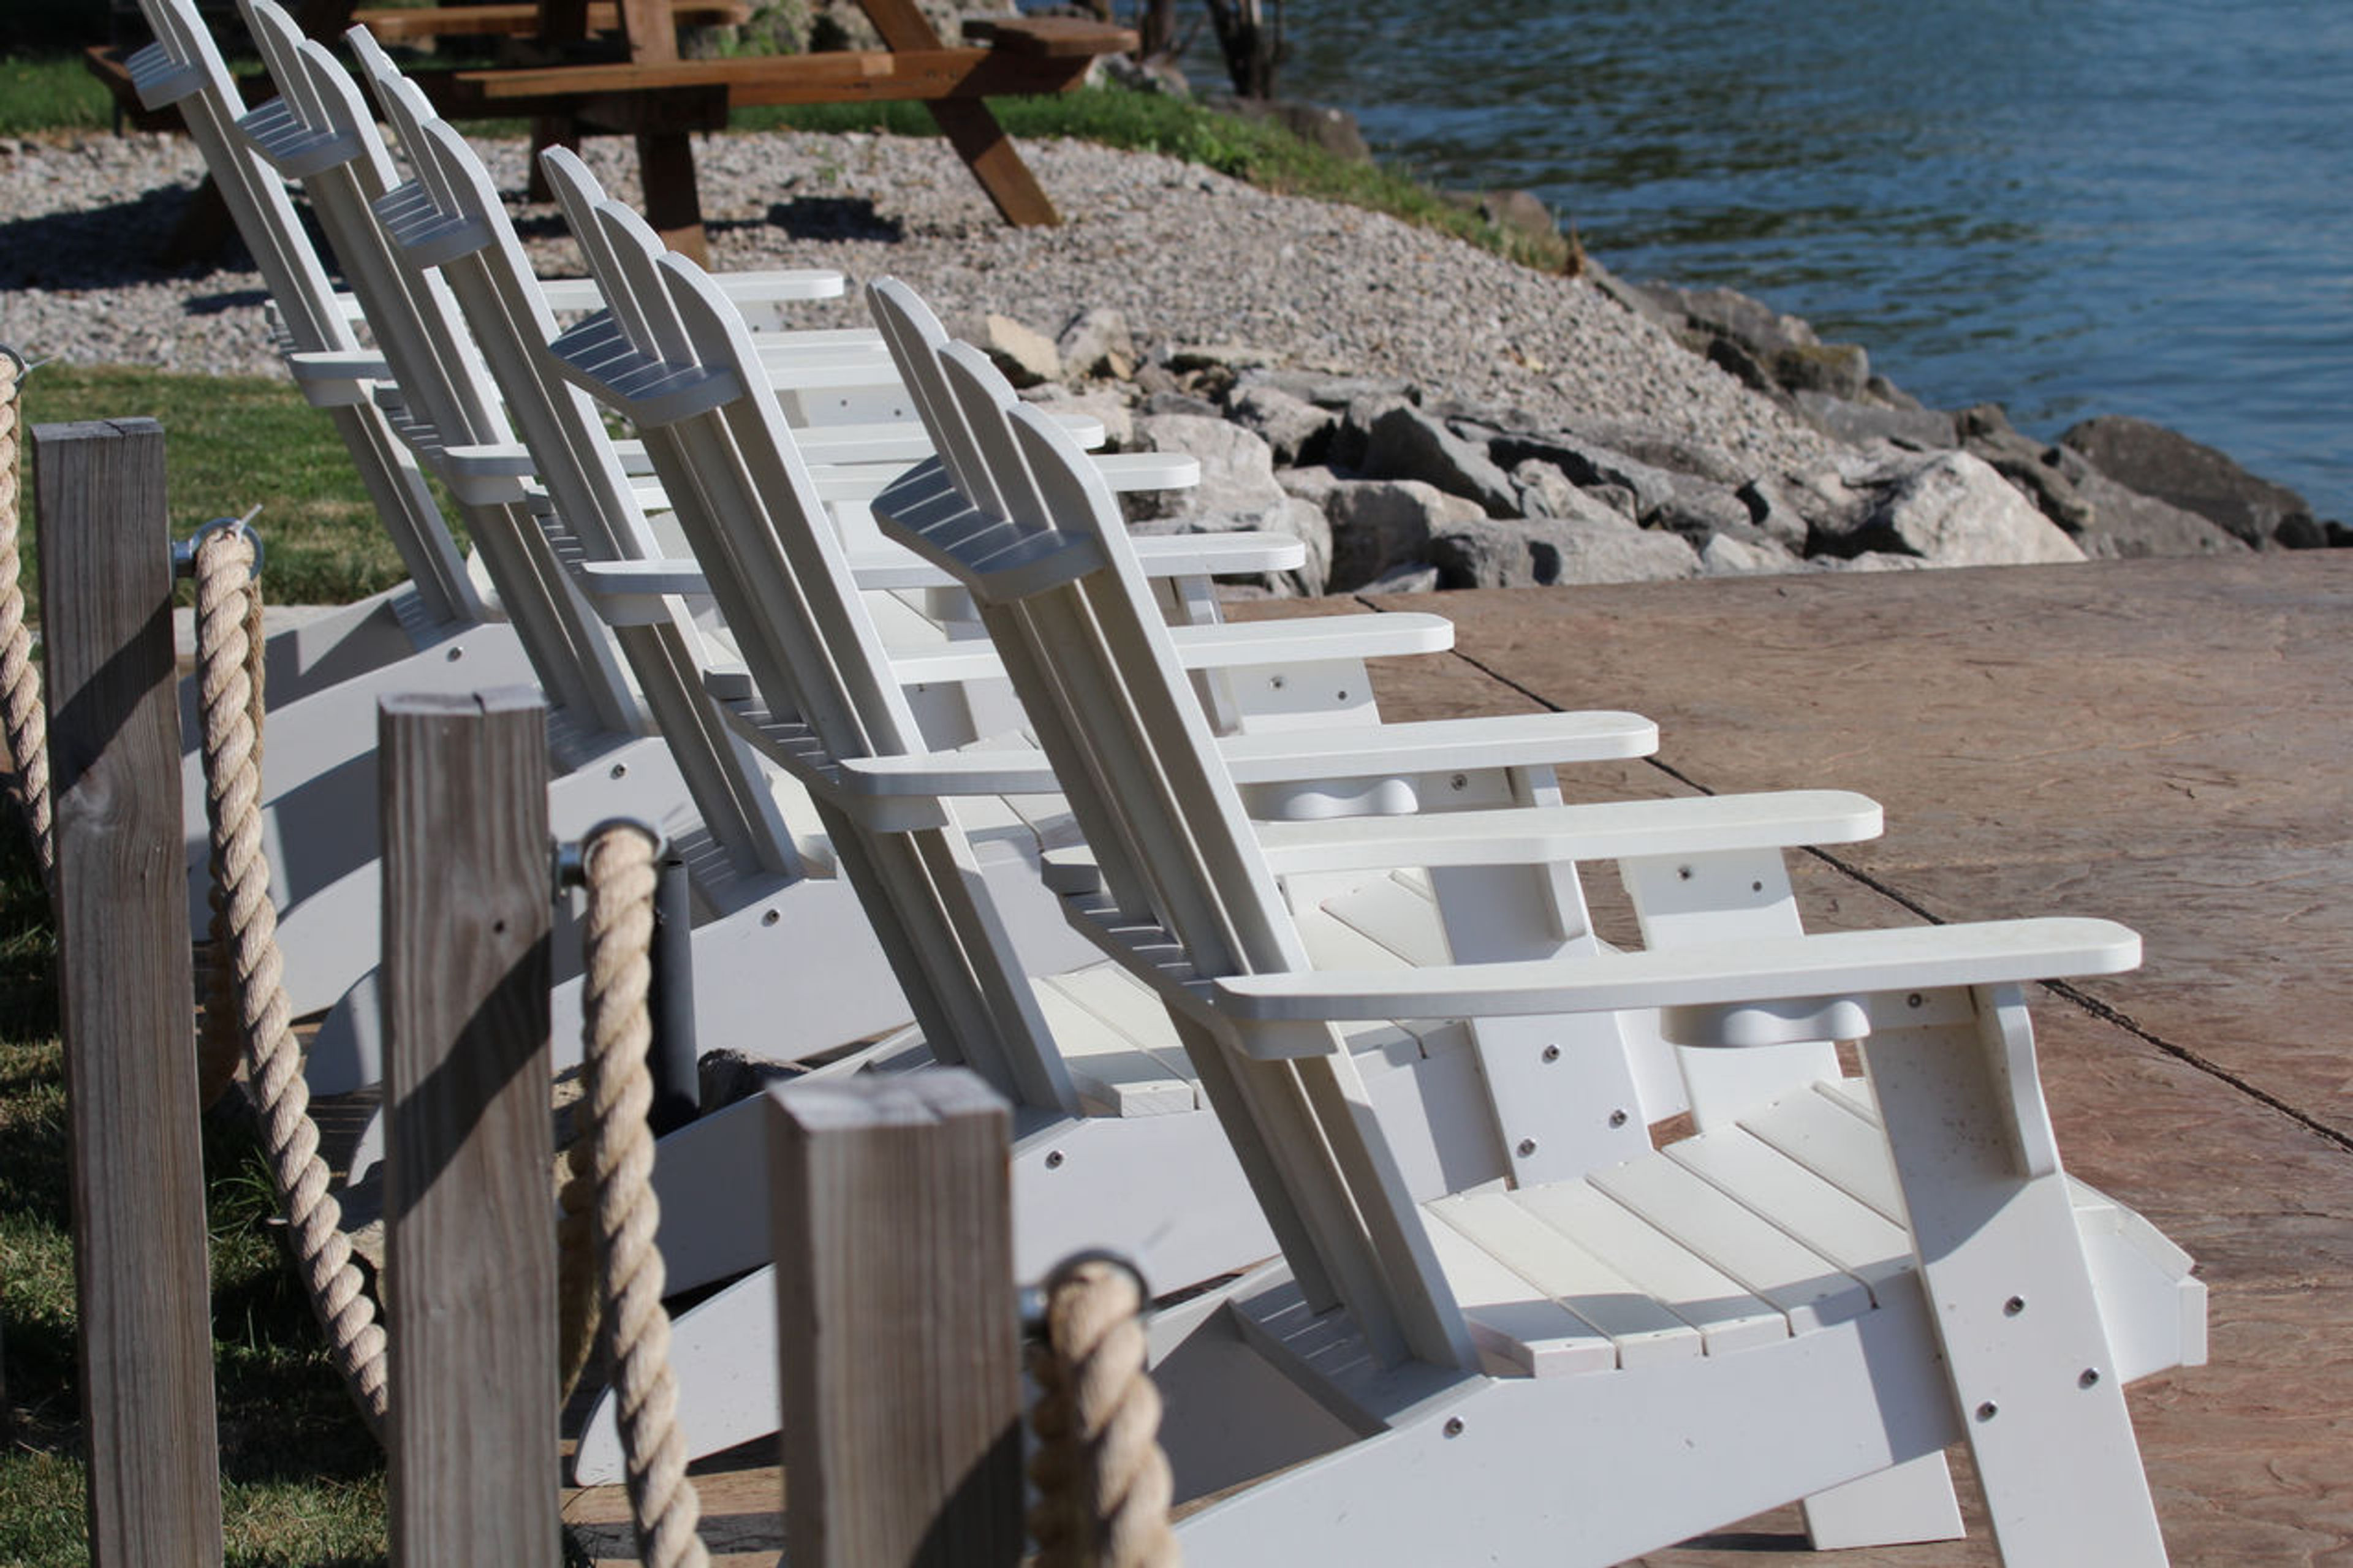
x=1448, y=1365
x=1115, y=1140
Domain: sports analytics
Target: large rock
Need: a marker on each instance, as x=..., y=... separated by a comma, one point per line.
x=1097, y=342
x=2126, y=522
x=1749, y=555
x=1380, y=525
x=1855, y=422
x=1026, y=355
x=1297, y=430
x=1540, y=552
x=2189, y=474
x=2104, y=517
x=1237, y=487
x=1406, y=444
x=1950, y=509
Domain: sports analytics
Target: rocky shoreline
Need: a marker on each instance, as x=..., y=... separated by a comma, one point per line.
x=1423, y=413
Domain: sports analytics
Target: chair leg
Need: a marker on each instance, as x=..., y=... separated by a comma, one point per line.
x=2010, y=1290
x=1911, y=1501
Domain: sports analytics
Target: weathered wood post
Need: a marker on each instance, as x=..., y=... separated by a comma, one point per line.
x=126, y=989
x=899, y=1339
x=470, y=1148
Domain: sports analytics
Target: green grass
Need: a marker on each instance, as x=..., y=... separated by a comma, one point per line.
x=302, y=1483
x=233, y=442
x=50, y=92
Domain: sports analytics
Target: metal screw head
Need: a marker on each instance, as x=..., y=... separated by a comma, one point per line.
x=1454, y=1428
x=1053, y=1159
x=455, y=654
x=1276, y=683
x=2089, y=1379
x=619, y=770
x=771, y=918
x=2014, y=1306
x=1460, y=780
x=1552, y=1053
x=1527, y=1147
x=1987, y=1411
x=1619, y=1119
x=1914, y=1000
x=1682, y=873
x=1757, y=887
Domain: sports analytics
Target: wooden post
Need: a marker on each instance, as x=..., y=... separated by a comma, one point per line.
x=124, y=982
x=470, y=1149
x=895, y=1319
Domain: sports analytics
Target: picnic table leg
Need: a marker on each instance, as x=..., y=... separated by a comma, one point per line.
x=548, y=131
x=973, y=131
x=673, y=204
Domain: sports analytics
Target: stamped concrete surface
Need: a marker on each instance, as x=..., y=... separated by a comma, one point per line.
x=2166, y=743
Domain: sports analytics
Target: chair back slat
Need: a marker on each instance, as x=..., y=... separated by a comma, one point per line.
x=1057, y=580
x=450, y=218
x=309, y=314
x=319, y=130
x=749, y=507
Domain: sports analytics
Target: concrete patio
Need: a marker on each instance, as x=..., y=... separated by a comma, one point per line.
x=2169, y=744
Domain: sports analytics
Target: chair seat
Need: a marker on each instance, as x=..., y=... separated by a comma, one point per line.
x=1786, y=1223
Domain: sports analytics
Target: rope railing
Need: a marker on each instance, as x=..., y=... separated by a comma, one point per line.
x=229, y=657
x=1103, y=1484
x=618, y=866
x=23, y=722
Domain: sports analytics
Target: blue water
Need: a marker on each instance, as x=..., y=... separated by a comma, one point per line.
x=2130, y=207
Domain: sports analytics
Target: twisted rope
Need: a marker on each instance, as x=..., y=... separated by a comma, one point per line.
x=617, y=941
x=576, y=1284
x=1103, y=1482
x=228, y=654
x=22, y=717
x=220, y=1040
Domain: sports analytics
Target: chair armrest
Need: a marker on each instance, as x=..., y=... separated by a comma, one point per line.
x=1529, y=739
x=742, y=287
x=335, y=378
x=1220, y=646
x=1886, y=977
x=1501, y=741
x=1534, y=834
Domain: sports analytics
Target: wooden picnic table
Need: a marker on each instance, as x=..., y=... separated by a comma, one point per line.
x=612, y=66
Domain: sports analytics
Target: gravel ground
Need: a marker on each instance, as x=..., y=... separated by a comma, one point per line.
x=1190, y=257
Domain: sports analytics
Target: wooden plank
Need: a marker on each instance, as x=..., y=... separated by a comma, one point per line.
x=471, y=1269
x=1063, y=37
x=124, y=982
x=898, y=1346
x=841, y=76
x=1645, y=1333
x=522, y=19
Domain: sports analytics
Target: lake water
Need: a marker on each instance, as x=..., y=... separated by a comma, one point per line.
x=2128, y=207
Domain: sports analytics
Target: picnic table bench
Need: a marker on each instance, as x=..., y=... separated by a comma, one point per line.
x=641, y=86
